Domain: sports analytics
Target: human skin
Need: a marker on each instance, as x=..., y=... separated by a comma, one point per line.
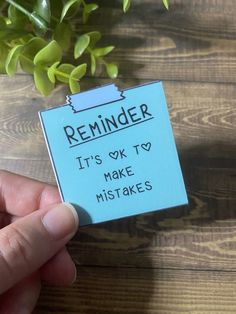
x=34, y=229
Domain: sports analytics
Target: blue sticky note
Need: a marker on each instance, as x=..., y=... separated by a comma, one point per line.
x=114, y=153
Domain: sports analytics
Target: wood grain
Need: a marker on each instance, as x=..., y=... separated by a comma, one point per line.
x=122, y=291
x=201, y=236
x=181, y=260
x=193, y=41
x=202, y=114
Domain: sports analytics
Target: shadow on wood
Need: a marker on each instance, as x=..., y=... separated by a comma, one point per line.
x=173, y=237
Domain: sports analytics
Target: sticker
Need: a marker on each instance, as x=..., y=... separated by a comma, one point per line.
x=114, y=153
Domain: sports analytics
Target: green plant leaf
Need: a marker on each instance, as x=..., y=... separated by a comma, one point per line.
x=12, y=59
x=16, y=17
x=51, y=72
x=93, y=64
x=112, y=70
x=30, y=50
x=75, y=76
x=25, y=39
x=33, y=46
x=80, y=45
x=74, y=86
x=63, y=72
x=78, y=72
x=2, y=22
x=62, y=34
x=100, y=52
x=88, y=9
x=68, y=5
x=94, y=38
x=37, y=39
x=42, y=82
x=15, y=8
x=126, y=5
x=9, y=32
x=49, y=54
x=40, y=25
x=43, y=9
x=26, y=64
x=166, y=4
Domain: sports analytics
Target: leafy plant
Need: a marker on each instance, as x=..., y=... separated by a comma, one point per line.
x=36, y=35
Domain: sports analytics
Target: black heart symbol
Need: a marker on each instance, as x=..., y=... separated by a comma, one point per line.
x=146, y=146
x=114, y=154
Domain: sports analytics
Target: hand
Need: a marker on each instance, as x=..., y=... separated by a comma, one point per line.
x=34, y=229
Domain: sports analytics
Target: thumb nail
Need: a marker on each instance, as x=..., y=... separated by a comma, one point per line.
x=61, y=221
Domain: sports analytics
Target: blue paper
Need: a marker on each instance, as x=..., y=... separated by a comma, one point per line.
x=118, y=158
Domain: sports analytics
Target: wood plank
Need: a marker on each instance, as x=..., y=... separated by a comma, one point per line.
x=109, y=290
x=193, y=41
x=202, y=114
x=180, y=260
x=202, y=236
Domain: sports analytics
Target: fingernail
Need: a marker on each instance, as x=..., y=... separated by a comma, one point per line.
x=61, y=221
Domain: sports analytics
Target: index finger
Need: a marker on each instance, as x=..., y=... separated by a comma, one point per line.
x=20, y=195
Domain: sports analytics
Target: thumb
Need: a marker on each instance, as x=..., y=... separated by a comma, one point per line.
x=29, y=242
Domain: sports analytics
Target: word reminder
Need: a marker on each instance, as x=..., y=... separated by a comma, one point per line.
x=114, y=153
